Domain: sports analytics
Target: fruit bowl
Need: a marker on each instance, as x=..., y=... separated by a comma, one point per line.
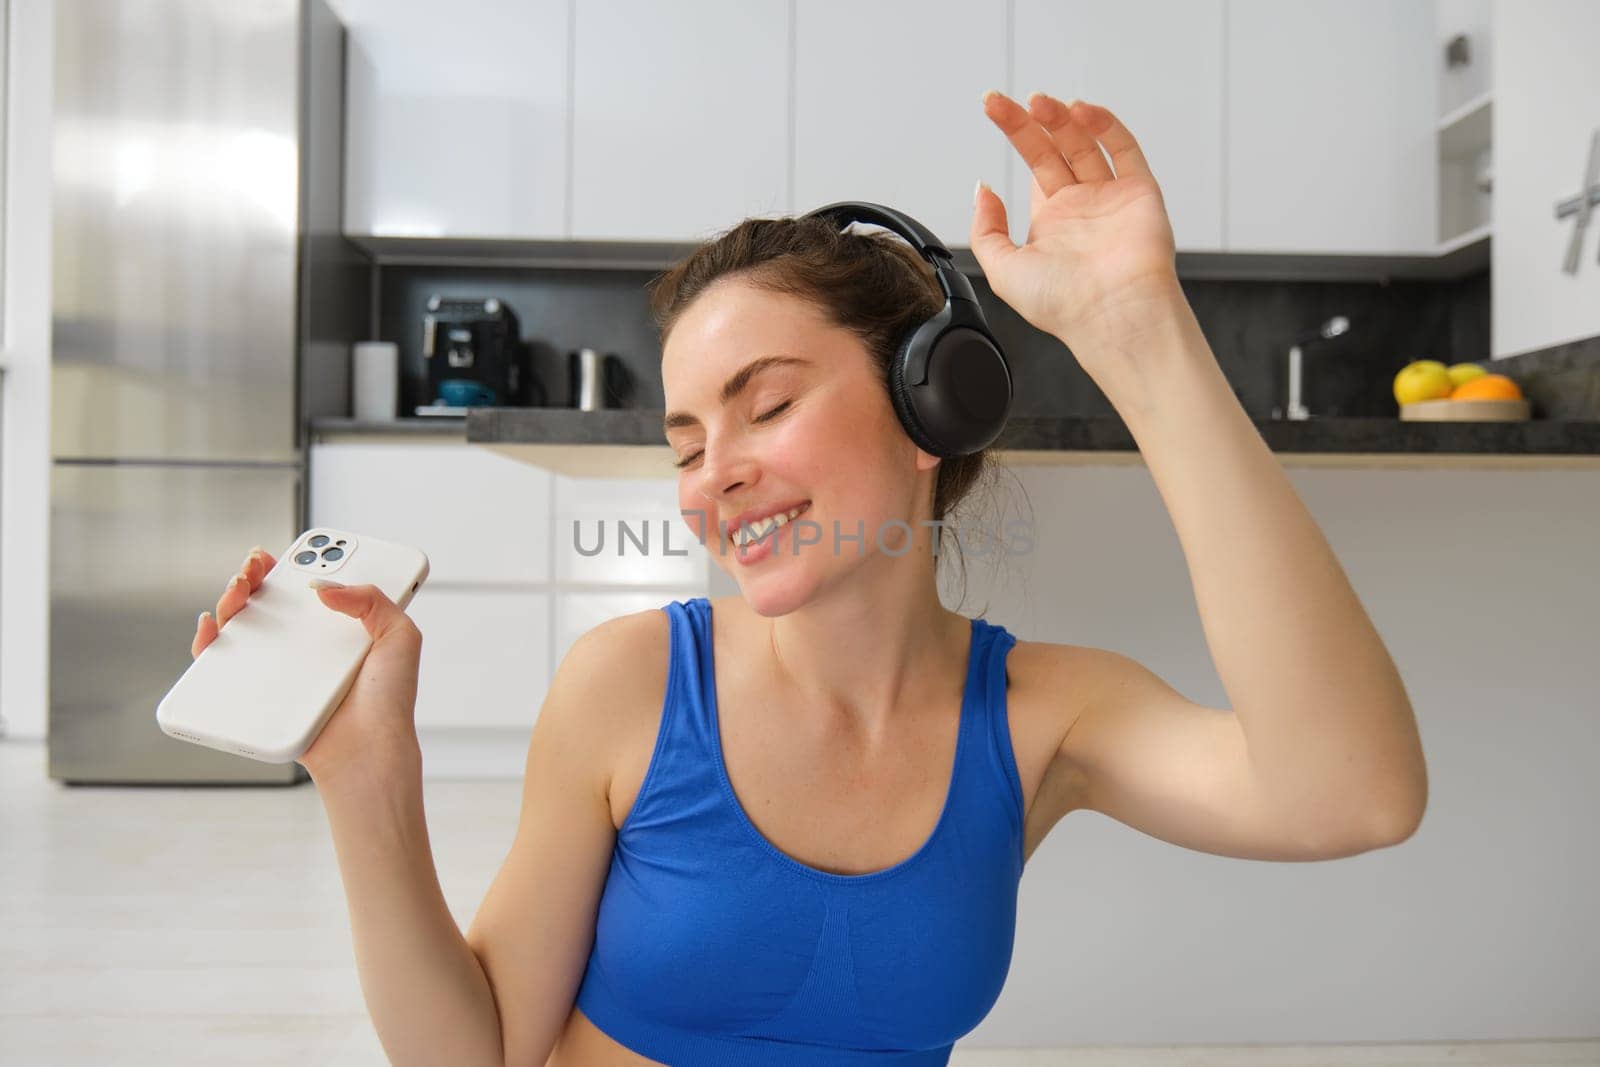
x=1467, y=411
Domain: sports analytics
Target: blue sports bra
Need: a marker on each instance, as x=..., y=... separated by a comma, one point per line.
x=712, y=947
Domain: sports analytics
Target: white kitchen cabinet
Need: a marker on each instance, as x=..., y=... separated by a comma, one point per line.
x=479, y=516
x=1331, y=119
x=1462, y=83
x=1157, y=64
x=1466, y=120
x=887, y=106
x=680, y=117
x=485, y=655
x=1546, y=110
x=456, y=118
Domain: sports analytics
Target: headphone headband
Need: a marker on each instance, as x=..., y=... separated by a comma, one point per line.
x=952, y=281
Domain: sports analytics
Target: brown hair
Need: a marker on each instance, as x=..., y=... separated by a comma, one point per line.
x=873, y=284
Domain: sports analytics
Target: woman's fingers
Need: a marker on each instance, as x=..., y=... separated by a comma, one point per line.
x=1031, y=141
x=251, y=574
x=241, y=585
x=205, y=632
x=256, y=566
x=1071, y=138
x=263, y=558
x=1062, y=143
x=232, y=599
x=1126, y=155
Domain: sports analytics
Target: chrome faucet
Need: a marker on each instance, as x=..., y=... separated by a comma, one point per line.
x=1296, y=410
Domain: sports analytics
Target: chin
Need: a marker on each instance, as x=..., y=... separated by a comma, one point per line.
x=769, y=600
x=773, y=595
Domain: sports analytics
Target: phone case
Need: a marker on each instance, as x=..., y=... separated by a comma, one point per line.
x=281, y=666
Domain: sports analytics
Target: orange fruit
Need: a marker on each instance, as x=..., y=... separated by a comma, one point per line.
x=1487, y=387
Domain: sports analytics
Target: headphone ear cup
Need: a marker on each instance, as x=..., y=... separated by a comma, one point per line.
x=900, y=396
x=968, y=394
x=963, y=405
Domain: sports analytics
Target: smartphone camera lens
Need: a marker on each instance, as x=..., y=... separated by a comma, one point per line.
x=332, y=554
x=318, y=541
x=305, y=557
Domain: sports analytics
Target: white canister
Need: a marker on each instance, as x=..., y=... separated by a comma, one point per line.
x=375, y=380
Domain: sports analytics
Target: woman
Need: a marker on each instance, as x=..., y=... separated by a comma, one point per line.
x=789, y=828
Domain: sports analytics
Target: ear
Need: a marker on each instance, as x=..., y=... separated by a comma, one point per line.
x=925, y=461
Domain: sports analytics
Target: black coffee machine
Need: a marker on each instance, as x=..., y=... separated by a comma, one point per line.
x=475, y=357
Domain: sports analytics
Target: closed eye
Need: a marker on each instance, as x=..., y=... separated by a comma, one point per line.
x=682, y=463
x=774, y=411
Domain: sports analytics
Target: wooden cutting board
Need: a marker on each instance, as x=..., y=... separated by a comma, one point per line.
x=1466, y=411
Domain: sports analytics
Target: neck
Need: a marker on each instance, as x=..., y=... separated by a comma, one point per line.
x=864, y=654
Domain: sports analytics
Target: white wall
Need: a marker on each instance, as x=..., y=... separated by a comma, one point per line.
x=1546, y=107
x=25, y=418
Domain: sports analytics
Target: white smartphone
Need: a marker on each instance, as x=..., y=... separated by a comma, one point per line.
x=281, y=666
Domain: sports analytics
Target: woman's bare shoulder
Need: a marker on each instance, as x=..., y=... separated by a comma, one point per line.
x=634, y=641
x=1049, y=665
x=1051, y=681
x=621, y=664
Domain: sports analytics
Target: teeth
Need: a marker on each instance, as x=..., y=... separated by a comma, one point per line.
x=755, y=531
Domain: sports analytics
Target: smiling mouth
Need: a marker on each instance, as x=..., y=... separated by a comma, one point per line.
x=750, y=533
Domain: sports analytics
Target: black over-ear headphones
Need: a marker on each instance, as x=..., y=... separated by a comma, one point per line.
x=948, y=380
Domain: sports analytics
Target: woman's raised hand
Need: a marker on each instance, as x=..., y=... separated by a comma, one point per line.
x=372, y=735
x=1099, y=258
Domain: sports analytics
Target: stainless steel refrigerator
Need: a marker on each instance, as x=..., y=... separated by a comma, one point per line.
x=203, y=305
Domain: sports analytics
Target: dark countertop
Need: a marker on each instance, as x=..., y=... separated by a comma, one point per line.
x=565, y=426
x=417, y=425
x=1108, y=433
x=629, y=443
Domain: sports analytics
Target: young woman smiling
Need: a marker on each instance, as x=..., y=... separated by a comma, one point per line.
x=787, y=827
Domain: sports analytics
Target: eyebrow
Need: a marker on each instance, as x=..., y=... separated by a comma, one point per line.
x=734, y=386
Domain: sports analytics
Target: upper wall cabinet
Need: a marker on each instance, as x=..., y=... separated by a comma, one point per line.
x=1330, y=129
x=1158, y=65
x=1304, y=127
x=1546, y=143
x=680, y=117
x=888, y=106
x=456, y=121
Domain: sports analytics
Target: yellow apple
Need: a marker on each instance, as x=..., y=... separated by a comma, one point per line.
x=1464, y=372
x=1423, y=379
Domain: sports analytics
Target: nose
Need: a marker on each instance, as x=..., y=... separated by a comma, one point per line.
x=723, y=473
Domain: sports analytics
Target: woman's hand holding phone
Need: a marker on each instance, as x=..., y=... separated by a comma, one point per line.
x=372, y=735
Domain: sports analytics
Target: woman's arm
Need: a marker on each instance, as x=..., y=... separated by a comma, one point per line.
x=425, y=989
x=1327, y=720
x=1330, y=732
x=428, y=996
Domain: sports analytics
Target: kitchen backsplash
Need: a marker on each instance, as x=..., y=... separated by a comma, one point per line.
x=1249, y=324
x=1561, y=382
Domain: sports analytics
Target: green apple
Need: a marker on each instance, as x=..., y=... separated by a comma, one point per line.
x=1464, y=372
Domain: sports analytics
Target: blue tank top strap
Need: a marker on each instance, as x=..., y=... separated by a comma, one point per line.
x=997, y=715
x=678, y=786
x=692, y=656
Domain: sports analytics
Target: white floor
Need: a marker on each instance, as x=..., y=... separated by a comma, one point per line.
x=207, y=925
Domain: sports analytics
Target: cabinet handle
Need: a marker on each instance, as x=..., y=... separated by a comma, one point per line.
x=1582, y=205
